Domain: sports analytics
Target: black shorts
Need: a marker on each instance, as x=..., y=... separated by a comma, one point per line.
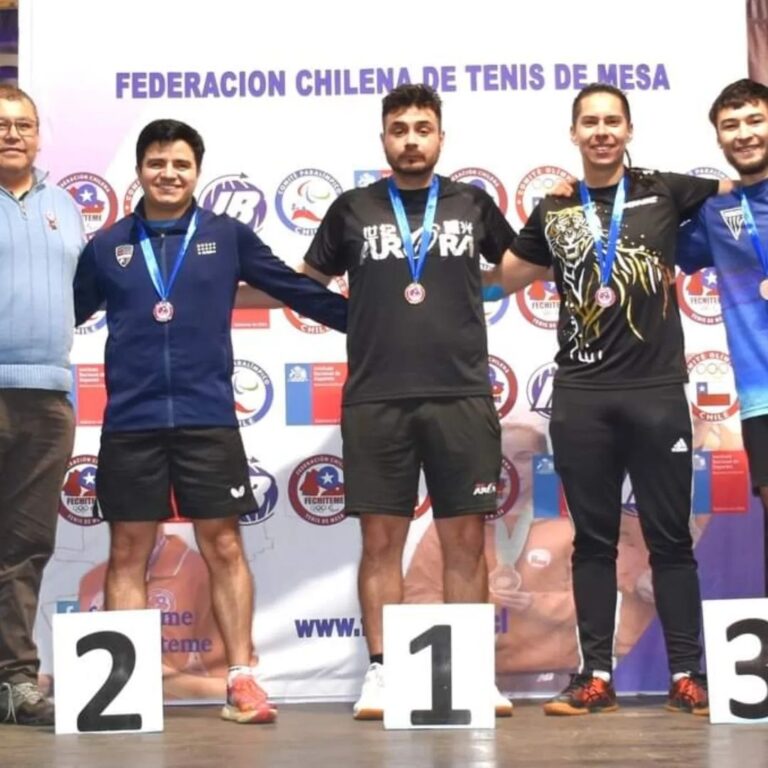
x=457, y=442
x=206, y=468
x=754, y=433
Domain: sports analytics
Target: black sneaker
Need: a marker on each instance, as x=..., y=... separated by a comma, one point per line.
x=689, y=694
x=24, y=704
x=584, y=695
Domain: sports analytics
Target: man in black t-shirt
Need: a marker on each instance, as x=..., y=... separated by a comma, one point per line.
x=619, y=401
x=418, y=394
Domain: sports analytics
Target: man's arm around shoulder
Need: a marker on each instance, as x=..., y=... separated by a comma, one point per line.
x=513, y=273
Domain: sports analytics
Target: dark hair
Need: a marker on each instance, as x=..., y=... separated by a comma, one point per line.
x=588, y=90
x=736, y=95
x=11, y=92
x=412, y=95
x=165, y=131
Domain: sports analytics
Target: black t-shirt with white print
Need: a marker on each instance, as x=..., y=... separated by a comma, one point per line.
x=395, y=349
x=638, y=341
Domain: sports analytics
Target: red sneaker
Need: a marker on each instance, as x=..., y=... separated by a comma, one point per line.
x=247, y=702
x=584, y=695
x=689, y=694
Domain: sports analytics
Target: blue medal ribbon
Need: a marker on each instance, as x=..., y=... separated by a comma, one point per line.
x=416, y=265
x=605, y=255
x=163, y=290
x=754, y=235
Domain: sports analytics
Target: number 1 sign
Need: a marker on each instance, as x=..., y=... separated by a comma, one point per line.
x=439, y=666
x=108, y=672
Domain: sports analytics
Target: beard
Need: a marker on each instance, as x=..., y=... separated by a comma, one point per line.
x=404, y=167
x=749, y=167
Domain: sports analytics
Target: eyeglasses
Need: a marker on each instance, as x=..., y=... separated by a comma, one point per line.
x=23, y=127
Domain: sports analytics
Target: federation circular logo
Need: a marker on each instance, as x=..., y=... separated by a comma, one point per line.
x=699, y=297
x=485, y=180
x=535, y=186
x=503, y=385
x=708, y=172
x=264, y=487
x=303, y=198
x=495, y=310
x=712, y=391
x=539, y=304
x=306, y=324
x=94, y=323
x=539, y=389
x=237, y=196
x=94, y=197
x=78, y=494
x=316, y=490
x=131, y=198
x=253, y=392
x=507, y=490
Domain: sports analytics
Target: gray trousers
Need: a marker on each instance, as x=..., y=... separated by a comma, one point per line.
x=36, y=437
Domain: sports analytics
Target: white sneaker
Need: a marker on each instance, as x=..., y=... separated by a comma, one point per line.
x=370, y=705
x=501, y=703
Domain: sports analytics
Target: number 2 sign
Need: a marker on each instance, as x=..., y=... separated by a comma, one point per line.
x=108, y=671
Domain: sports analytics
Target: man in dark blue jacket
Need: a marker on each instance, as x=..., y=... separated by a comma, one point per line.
x=168, y=276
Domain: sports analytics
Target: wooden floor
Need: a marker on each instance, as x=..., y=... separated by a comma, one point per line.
x=316, y=736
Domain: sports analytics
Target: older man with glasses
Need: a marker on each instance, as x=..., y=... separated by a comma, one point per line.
x=41, y=236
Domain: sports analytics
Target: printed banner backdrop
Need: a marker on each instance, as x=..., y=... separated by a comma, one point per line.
x=291, y=117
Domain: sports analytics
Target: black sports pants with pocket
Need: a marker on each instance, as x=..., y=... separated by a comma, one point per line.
x=598, y=436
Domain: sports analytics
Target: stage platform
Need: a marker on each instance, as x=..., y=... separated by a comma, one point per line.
x=641, y=733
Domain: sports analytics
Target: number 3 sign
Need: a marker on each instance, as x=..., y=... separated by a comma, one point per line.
x=736, y=637
x=439, y=666
x=108, y=671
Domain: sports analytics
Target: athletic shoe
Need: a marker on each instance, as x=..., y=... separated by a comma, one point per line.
x=370, y=705
x=501, y=703
x=24, y=704
x=689, y=694
x=247, y=702
x=584, y=695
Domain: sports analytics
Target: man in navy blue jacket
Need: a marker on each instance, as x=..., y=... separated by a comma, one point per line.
x=168, y=275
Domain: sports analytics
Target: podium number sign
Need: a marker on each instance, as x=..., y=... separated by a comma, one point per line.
x=123, y=653
x=736, y=639
x=438, y=638
x=439, y=666
x=108, y=671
